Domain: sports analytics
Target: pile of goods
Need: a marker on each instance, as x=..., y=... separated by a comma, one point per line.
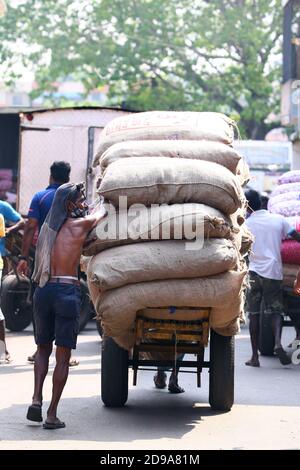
x=175, y=233
x=285, y=200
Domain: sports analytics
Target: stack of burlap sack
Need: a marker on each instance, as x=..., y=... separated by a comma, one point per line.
x=285, y=200
x=181, y=178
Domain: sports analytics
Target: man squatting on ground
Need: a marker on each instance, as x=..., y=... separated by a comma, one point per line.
x=56, y=301
x=265, y=272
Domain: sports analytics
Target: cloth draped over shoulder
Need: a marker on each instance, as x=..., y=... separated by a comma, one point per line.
x=50, y=228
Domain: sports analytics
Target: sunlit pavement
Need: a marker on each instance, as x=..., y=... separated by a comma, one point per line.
x=266, y=414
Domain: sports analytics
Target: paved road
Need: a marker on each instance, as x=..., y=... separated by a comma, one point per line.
x=266, y=414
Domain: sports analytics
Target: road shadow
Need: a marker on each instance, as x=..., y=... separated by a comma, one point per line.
x=17, y=367
x=146, y=417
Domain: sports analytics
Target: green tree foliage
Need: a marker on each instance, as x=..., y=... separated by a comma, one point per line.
x=220, y=55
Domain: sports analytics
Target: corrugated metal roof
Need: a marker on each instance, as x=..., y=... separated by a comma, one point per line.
x=25, y=109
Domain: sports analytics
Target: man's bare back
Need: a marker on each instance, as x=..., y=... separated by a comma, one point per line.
x=56, y=301
x=68, y=245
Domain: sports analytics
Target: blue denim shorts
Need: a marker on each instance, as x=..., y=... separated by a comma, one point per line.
x=56, y=309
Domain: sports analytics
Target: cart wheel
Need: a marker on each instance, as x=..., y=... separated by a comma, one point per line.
x=14, y=305
x=266, y=336
x=221, y=378
x=114, y=374
x=86, y=307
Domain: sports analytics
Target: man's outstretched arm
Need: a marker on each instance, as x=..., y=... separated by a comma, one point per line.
x=297, y=284
x=29, y=231
x=16, y=227
x=295, y=235
x=92, y=220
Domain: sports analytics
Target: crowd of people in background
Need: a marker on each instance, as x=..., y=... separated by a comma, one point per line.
x=265, y=266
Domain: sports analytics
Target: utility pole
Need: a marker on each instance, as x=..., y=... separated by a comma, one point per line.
x=290, y=88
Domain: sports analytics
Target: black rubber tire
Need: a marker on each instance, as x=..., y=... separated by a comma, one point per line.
x=16, y=310
x=114, y=374
x=292, y=307
x=221, y=373
x=87, y=311
x=266, y=336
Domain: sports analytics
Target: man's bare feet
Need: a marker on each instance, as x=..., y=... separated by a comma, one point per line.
x=53, y=423
x=8, y=358
x=174, y=387
x=173, y=384
x=253, y=362
x=31, y=359
x=73, y=362
x=160, y=379
x=282, y=356
x=34, y=412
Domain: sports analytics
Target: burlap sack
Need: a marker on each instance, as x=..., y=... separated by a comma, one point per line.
x=216, y=152
x=84, y=263
x=160, y=180
x=166, y=125
x=233, y=327
x=285, y=188
x=292, y=176
x=153, y=261
x=285, y=208
x=275, y=201
x=243, y=172
x=117, y=307
x=167, y=222
x=238, y=218
x=243, y=240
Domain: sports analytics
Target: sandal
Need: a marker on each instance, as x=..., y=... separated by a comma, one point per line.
x=58, y=424
x=160, y=380
x=34, y=413
x=7, y=359
x=31, y=359
x=175, y=388
x=282, y=356
x=73, y=362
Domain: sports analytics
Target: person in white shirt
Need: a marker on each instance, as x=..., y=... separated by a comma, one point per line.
x=265, y=272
